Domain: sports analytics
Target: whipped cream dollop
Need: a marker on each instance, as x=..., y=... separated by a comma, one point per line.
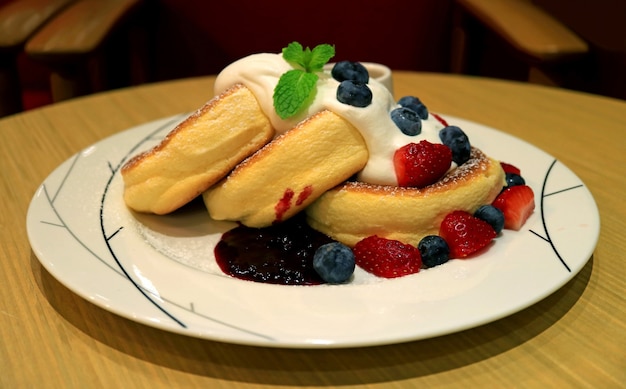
x=260, y=73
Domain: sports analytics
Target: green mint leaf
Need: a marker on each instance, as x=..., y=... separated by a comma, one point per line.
x=296, y=87
x=320, y=55
x=294, y=90
x=294, y=54
x=310, y=60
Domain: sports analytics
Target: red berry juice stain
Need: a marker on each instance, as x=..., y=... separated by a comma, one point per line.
x=440, y=119
x=280, y=254
x=283, y=205
x=306, y=192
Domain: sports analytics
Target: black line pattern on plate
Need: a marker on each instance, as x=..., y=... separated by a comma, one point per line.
x=61, y=222
x=543, y=216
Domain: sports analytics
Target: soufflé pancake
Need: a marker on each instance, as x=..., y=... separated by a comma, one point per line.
x=355, y=210
x=290, y=172
x=196, y=153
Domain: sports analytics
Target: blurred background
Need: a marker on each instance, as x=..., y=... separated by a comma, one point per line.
x=53, y=50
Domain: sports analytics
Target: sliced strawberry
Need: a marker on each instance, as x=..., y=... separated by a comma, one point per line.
x=517, y=203
x=465, y=234
x=386, y=257
x=509, y=168
x=421, y=164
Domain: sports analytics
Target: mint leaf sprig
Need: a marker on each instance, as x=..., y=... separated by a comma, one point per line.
x=296, y=87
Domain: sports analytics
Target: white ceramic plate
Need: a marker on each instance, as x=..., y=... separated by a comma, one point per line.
x=160, y=270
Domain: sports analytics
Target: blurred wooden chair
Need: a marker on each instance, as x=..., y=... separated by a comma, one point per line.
x=602, y=24
x=551, y=42
x=536, y=38
x=19, y=21
x=73, y=45
x=67, y=41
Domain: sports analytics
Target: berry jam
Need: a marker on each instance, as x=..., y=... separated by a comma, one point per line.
x=280, y=254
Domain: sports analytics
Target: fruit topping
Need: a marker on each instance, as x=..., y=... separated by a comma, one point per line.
x=517, y=203
x=421, y=164
x=513, y=179
x=458, y=142
x=491, y=215
x=508, y=168
x=334, y=262
x=387, y=258
x=434, y=250
x=415, y=105
x=347, y=70
x=354, y=94
x=407, y=121
x=465, y=233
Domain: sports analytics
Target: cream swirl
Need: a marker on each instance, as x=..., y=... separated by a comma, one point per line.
x=260, y=73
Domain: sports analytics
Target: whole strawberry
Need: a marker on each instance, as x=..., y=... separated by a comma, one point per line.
x=387, y=258
x=465, y=233
x=421, y=164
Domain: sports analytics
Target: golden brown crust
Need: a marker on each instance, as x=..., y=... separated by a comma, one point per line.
x=180, y=128
x=355, y=210
x=197, y=153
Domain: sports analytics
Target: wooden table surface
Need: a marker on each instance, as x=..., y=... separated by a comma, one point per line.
x=576, y=337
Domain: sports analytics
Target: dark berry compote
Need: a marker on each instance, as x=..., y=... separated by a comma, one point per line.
x=280, y=254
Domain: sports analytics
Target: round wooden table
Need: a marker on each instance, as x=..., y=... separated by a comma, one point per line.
x=576, y=337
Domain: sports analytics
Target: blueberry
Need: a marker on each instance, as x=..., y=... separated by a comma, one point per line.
x=491, y=215
x=353, y=71
x=334, y=262
x=513, y=179
x=407, y=121
x=434, y=250
x=414, y=104
x=353, y=93
x=458, y=142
